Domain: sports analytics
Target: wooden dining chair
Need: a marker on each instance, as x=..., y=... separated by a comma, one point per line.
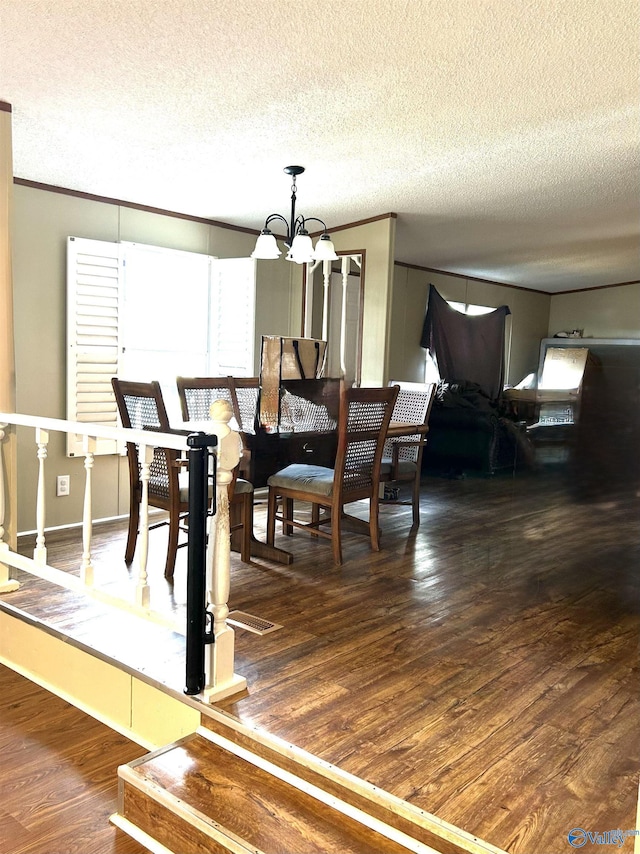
x=141, y=406
x=362, y=425
x=196, y=396
x=198, y=393
x=402, y=455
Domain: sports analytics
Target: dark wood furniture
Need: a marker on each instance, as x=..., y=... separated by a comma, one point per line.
x=307, y=430
x=362, y=426
x=141, y=406
x=198, y=393
x=196, y=396
x=402, y=452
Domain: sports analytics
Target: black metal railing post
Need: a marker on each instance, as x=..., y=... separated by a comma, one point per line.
x=198, y=633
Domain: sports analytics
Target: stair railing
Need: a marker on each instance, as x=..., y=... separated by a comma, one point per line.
x=219, y=679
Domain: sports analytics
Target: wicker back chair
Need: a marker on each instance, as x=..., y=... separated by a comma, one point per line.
x=141, y=406
x=402, y=456
x=198, y=393
x=196, y=396
x=362, y=425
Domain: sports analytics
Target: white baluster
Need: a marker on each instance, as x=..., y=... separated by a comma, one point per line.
x=143, y=590
x=326, y=277
x=40, y=551
x=86, y=568
x=308, y=299
x=221, y=679
x=6, y=584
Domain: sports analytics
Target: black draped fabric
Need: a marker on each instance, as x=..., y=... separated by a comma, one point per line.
x=467, y=348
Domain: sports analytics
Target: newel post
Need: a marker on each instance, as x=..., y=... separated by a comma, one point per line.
x=221, y=679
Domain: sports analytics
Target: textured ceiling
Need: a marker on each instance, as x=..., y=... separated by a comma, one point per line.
x=504, y=133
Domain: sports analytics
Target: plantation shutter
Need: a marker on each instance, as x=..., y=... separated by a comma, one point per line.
x=233, y=289
x=94, y=299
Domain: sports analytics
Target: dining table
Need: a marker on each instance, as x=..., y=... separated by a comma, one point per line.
x=258, y=548
x=307, y=434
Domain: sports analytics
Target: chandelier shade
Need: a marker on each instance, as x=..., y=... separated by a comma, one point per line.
x=301, y=251
x=298, y=241
x=266, y=246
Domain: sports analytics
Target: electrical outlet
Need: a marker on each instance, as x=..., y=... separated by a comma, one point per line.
x=63, y=484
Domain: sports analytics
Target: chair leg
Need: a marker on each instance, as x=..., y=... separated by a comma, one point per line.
x=336, y=540
x=172, y=548
x=315, y=518
x=247, y=528
x=287, y=507
x=415, y=500
x=132, y=536
x=236, y=523
x=271, y=515
x=374, y=529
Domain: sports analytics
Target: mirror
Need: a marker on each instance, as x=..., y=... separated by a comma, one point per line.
x=333, y=310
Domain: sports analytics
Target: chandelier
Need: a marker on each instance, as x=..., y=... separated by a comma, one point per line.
x=301, y=250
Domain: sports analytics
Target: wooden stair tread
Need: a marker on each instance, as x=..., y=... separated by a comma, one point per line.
x=406, y=818
x=249, y=803
x=235, y=788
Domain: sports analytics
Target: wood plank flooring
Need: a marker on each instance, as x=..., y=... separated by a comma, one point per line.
x=485, y=668
x=58, y=782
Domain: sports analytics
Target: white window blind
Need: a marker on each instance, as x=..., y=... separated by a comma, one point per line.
x=94, y=296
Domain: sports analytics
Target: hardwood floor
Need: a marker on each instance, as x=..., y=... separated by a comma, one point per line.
x=58, y=781
x=485, y=669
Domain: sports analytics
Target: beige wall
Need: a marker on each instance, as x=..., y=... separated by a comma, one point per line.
x=529, y=319
x=603, y=313
x=394, y=306
x=42, y=222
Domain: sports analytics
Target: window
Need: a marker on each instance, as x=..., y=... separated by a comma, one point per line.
x=147, y=313
x=467, y=308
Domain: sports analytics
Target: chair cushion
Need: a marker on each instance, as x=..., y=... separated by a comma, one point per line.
x=243, y=486
x=405, y=467
x=314, y=479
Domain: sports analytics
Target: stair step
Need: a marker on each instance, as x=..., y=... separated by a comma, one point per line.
x=231, y=788
x=411, y=821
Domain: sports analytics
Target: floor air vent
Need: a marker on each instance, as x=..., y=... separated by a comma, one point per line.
x=252, y=624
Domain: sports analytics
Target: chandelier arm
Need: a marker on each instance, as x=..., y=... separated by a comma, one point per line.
x=315, y=219
x=271, y=217
x=297, y=225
